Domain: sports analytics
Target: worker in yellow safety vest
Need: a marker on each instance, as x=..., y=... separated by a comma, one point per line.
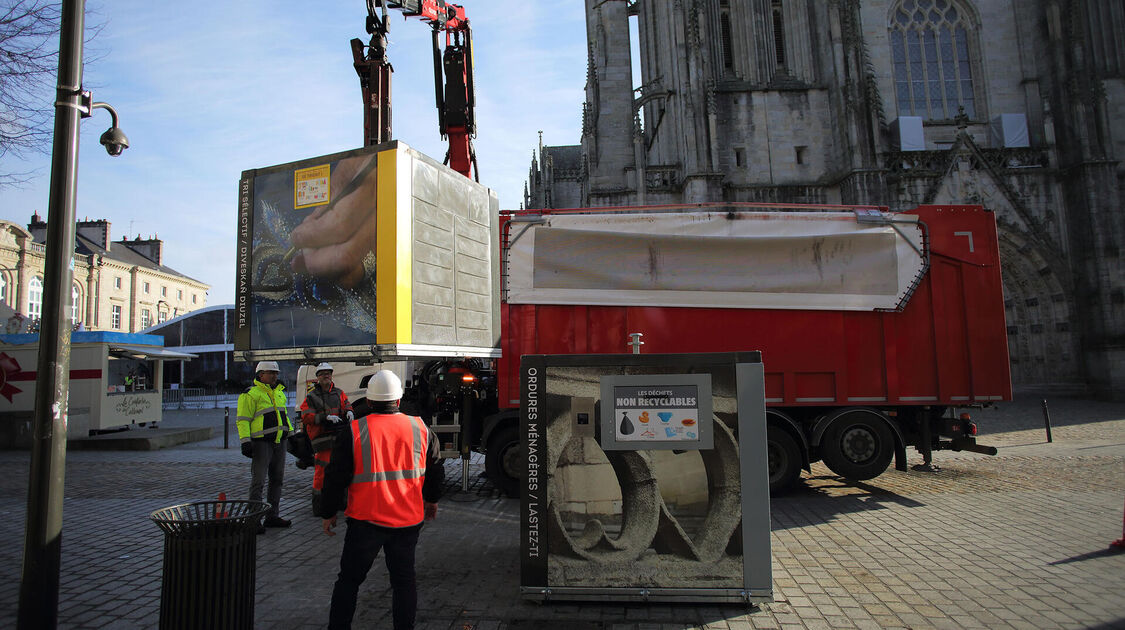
x=263, y=426
x=389, y=465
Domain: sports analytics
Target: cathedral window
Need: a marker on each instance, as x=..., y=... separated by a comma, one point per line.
x=778, y=32
x=931, y=42
x=728, y=54
x=725, y=34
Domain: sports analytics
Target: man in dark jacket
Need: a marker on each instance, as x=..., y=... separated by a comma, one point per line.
x=388, y=466
x=324, y=412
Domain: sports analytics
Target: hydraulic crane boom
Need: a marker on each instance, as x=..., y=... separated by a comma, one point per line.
x=454, y=96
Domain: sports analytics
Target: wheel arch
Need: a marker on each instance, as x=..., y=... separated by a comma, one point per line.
x=784, y=421
x=497, y=421
x=826, y=420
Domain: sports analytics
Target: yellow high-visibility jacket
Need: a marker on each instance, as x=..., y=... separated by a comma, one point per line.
x=261, y=413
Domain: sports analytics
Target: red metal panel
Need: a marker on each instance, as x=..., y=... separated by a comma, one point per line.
x=555, y=330
x=607, y=330
x=950, y=330
x=865, y=357
x=949, y=341
x=914, y=342
x=965, y=237
x=775, y=386
x=815, y=387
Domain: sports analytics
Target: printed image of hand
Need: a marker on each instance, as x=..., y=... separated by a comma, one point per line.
x=333, y=240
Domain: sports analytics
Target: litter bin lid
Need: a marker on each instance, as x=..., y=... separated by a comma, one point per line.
x=188, y=516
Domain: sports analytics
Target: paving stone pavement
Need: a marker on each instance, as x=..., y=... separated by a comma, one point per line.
x=1014, y=541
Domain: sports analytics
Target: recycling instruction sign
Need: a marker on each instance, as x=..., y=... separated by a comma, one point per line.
x=659, y=411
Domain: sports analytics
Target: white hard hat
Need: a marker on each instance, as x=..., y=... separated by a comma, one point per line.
x=323, y=366
x=384, y=386
x=267, y=366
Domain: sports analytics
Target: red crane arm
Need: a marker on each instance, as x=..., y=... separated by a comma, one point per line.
x=455, y=99
x=440, y=14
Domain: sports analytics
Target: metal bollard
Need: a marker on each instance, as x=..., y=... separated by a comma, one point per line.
x=226, y=427
x=1047, y=420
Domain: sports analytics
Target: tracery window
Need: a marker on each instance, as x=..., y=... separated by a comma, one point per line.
x=931, y=46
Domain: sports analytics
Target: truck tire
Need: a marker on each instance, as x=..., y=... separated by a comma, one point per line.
x=783, y=459
x=858, y=445
x=503, y=461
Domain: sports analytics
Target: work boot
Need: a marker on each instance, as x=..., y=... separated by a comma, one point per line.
x=303, y=464
x=276, y=521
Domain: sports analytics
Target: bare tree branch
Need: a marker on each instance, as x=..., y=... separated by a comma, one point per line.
x=29, y=50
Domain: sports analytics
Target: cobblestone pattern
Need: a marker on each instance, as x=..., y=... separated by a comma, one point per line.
x=1014, y=541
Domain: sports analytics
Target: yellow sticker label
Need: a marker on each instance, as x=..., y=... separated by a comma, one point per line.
x=311, y=186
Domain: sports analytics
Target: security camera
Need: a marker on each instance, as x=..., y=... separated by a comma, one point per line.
x=114, y=141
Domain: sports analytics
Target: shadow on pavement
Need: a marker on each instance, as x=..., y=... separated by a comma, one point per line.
x=1101, y=553
x=1113, y=625
x=821, y=499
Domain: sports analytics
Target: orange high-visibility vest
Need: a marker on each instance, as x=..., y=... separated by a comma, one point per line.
x=316, y=406
x=389, y=451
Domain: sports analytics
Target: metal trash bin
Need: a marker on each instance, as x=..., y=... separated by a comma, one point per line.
x=210, y=560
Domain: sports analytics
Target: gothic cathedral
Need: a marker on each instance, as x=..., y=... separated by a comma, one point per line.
x=1016, y=105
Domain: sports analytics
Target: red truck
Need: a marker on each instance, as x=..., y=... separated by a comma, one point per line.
x=875, y=328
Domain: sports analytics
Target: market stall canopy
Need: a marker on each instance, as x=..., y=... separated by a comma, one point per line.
x=147, y=352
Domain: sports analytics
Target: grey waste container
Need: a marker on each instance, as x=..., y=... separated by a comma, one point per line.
x=210, y=553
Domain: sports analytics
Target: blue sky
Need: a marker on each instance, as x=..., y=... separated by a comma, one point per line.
x=207, y=90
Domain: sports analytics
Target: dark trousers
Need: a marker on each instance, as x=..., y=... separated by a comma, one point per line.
x=268, y=460
x=361, y=546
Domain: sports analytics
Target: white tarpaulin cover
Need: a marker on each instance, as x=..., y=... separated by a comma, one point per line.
x=791, y=260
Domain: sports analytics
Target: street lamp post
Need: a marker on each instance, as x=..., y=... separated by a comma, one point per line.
x=39, y=585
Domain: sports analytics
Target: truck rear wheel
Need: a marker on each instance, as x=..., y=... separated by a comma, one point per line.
x=504, y=461
x=783, y=459
x=858, y=445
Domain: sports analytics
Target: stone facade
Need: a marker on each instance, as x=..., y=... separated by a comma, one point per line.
x=117, y=285
x=803, y=101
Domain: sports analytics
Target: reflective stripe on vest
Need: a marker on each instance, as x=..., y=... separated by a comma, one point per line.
x=261, y=415
x=367, y=474
x=390, y=466
x=323, y=442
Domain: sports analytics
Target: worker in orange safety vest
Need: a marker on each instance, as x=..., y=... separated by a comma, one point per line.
x=388, y=465
x=324, y=412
